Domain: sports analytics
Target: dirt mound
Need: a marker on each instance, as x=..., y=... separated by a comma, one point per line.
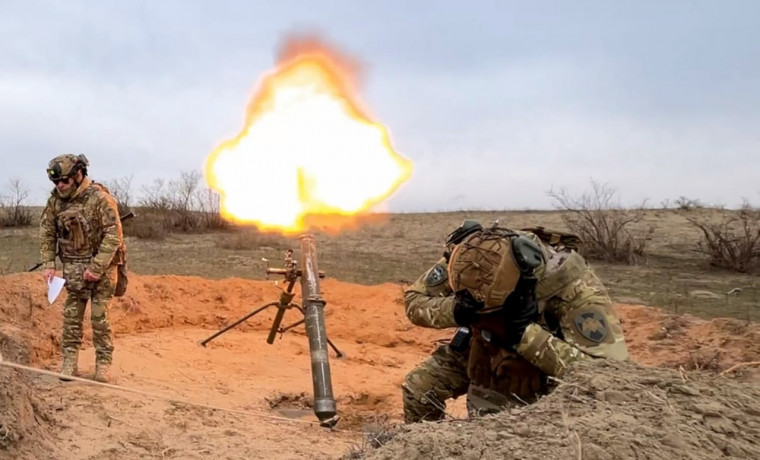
x=158, y=326
x=604, y=411
x=657, y=338
x=361, y=314
x=24, y=423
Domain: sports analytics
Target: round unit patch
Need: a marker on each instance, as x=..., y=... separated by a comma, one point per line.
x=436, y=276
x=591, y=325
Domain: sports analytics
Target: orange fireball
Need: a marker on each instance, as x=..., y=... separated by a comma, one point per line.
x=307, y=149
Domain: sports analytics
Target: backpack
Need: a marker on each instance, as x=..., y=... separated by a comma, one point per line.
x=557, y=238
x=122, y=280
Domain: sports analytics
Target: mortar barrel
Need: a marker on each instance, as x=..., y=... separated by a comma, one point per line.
x=314, y=318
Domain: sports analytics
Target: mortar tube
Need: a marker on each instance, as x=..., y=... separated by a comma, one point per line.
x=314, y=319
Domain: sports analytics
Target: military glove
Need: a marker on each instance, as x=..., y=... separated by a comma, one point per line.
x=520, y=310
x=466, y=308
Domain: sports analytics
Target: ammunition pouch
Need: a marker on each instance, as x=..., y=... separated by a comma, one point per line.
x=504, y=372
x=121, y=280
x=120, y=258
x=75, y=234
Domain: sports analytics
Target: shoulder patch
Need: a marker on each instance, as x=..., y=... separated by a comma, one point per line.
x=592, y=325
x=436, y=276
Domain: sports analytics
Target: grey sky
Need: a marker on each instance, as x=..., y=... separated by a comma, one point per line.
x=495, y=102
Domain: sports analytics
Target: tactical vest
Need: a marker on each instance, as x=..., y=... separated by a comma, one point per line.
x=79, y=231
x=493, y=367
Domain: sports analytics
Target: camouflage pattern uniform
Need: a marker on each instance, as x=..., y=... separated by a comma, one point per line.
x=84, y=230
x=428, y=303
x=576, y=322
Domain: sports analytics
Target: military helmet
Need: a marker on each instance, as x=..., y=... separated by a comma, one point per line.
x=460, y=233
x=490, y=262
x=66, y=165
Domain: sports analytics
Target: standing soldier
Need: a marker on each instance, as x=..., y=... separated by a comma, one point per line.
x=81, y=225
x=533, y=307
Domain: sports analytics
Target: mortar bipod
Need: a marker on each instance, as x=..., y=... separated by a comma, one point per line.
x=285, y=303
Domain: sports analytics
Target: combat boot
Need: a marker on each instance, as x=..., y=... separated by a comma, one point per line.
x=69, y=366
x=102, y=372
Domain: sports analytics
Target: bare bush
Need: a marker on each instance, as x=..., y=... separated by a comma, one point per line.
x=174, y=201
x=156, y=197
x=603, y=225
x=148, y=226
x=185, y=203
x=209, y=205
x=121, y=189
x=14, y=212
x=688, y=204
x=156, y=204
x=182, y=204
x=732, y=243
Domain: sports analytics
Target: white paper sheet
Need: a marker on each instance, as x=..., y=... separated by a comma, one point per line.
x=55, y=285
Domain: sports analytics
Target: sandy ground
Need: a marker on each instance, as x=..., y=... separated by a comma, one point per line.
x=158, y=326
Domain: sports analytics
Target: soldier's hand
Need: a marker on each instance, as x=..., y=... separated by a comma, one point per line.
x=90, y=276
x=520, y=310
x=466, y=308
x=48, y=274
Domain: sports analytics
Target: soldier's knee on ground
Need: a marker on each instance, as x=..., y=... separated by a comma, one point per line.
x=419, y=398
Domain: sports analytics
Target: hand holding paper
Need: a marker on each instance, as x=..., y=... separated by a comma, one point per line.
x=48, y=274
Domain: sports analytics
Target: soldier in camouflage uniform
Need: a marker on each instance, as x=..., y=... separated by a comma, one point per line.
x=532, y=307
x=80, y=224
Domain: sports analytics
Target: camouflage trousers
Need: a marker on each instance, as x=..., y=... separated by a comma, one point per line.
x=427, y=387
x=79, y=292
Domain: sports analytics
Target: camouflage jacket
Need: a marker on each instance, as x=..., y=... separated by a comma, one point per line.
x=577, y=320
x=83, y=228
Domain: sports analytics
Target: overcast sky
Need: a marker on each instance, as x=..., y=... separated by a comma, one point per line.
x=495, y=102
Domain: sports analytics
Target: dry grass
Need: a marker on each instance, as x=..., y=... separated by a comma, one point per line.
x=377, y=432
x=397, y=248
x=251, y=239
